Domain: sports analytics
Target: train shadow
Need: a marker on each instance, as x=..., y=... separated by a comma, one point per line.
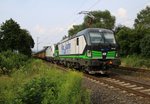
x=107, y=75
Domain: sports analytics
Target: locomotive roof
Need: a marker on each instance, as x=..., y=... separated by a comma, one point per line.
x=93, y=29
x=83, y=32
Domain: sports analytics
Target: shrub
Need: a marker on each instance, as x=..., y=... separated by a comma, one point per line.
x=136, y=61
x=58, y=88
x=145, y=46
x=10, y=60
x=34, y=91
x=39, y=83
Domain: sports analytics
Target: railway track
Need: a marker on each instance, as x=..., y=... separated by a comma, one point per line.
x=129, y=86
x=133, y=69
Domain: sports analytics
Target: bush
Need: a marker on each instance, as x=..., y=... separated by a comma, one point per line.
x=39, y=83
x=136, y=61
x=10, y=60
x=57, y=90
x=145, y=46
x=34, y=91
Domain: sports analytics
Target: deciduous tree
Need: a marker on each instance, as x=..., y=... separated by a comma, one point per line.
x=13, y=38
x=143, y=18
x=102, y=19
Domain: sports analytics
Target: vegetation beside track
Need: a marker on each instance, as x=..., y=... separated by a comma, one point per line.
x=10, y=61
x=39, y=83
x=136, y=61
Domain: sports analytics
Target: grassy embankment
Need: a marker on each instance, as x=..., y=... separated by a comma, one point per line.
x=136, y=61
x=38, y=83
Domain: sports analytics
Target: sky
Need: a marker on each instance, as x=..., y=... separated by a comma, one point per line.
x=49, y=20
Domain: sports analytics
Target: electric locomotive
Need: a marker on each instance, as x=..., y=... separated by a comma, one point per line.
x=94, y=50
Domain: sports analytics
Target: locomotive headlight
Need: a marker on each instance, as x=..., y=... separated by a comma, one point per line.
x=89, y=53
x=104, y=53
x=116, y=54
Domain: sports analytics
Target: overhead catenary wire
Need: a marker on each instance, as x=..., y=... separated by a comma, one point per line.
x=78, y=17
x=93, y=5
x=75, y=19
x=77, y=11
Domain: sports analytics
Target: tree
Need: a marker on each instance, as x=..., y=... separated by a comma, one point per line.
x=143, y=18
x=145, y=46
x=26, y=42
x=0, y=42
x=129, y=39
x=13, y=38
x=10, y=31
x=75, y=29
x=102, y=19
x=123, y=36
x=132, y=40
x=142, y=29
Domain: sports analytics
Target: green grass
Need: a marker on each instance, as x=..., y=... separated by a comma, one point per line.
x=136, y=61
x=38, y=83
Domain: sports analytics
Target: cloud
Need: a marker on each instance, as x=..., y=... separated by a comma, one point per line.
x=122, y=17
x=122, y=13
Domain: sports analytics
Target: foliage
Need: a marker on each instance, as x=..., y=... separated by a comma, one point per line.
x=10, y=61
x=143, y=18
x=123, y=37
x=9, y=35
x=143, y=22
x=145, y=46
x=103, y=19
x=39, y=83
x=26, y=42
x=37, y=89
x=130, y=39
x=75, y=29
x=136, y=61
x=13, y=38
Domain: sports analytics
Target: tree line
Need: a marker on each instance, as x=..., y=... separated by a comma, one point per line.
x=15, y=39
x=134, y=40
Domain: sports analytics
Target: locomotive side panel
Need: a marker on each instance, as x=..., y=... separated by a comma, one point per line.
x=50, y=51
x=73, y=46
x=82, y=44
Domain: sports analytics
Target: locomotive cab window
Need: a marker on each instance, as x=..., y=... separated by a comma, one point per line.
x=109, y=38
x=96, y=38
x=102, y=37
x=77, y=41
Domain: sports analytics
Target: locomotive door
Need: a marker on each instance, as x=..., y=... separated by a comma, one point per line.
x=77, y=46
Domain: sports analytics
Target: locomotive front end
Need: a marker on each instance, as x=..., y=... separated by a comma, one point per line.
x=102, y=50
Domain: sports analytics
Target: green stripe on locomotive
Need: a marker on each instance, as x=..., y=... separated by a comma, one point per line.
x=111, y=54
x=95, y=55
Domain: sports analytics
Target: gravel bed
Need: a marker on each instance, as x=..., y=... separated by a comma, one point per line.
x=101, y=94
